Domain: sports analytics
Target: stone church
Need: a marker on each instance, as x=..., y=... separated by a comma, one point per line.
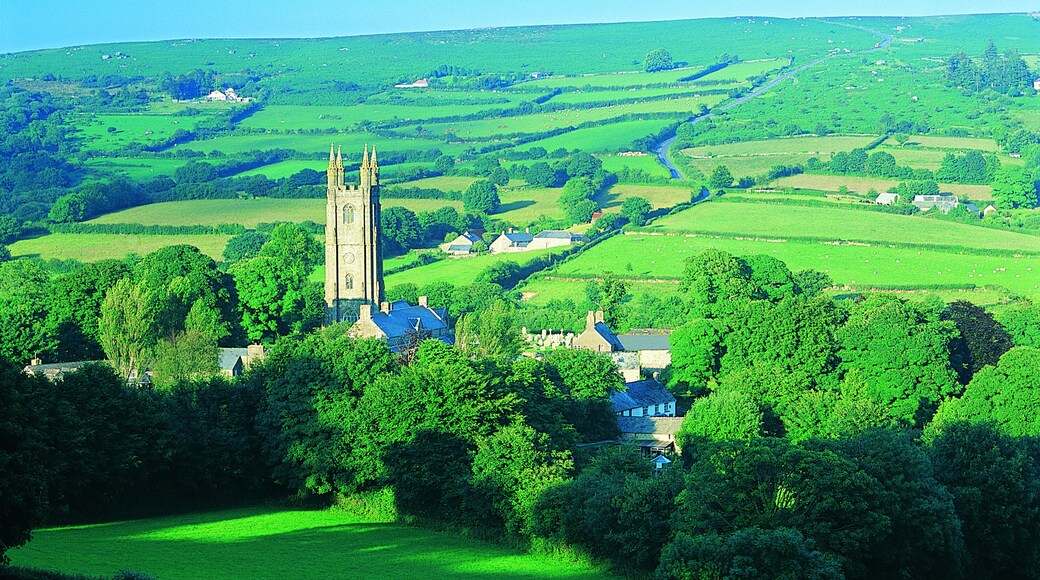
x=354, y=265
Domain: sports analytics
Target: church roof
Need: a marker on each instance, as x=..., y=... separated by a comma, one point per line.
x=608, y=335
x=640, y=394
x=637, y=342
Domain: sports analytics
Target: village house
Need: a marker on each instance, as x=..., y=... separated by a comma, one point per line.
x=56, y=371
x=597, y=337
x=944, y=202
x=402, y=325
x=646, y=398
x=989, y=209
x=511, y=241
x=887, y=198
x=653, y=435
x=1036, y=85
x=235, y=361
x=651, y=346
x=419, y=84
x=462, y=245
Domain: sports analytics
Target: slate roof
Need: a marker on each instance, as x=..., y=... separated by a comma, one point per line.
x=460, y=247
x=229, y=357
x=639, y=394
x=972, y=208
x=555, y=234
x=608, y=335
x=472, y=237
x=637, y=342
x=519, y=238
x=404, y=319
x=650, y=425
x=52, y=370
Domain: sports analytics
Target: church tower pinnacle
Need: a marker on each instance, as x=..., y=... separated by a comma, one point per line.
x=353, y=252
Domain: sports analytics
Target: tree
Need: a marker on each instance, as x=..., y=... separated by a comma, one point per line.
x=75, y=307
x=539, y=174
x=489, y=333
x=23, y=456
x=634, y=209
x=445, y=164
x=657, y=59
x=1023, y=323
x=609, y=294
x=720, y=178
x=725, y=416
x=297, y=247
x=982, y=339
x=26, y=326
x=130, y=325
x=1006, y=395
x=581, y=211
x=752, y=552
x=401, y=227
x=697, y=349
x=274, y=299
x=1012, y=188
x=244, y=246
x=481, y=196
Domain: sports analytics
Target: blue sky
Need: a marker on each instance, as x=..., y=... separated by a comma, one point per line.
x=33, y=24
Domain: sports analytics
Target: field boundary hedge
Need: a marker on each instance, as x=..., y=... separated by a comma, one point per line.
x=146, y=230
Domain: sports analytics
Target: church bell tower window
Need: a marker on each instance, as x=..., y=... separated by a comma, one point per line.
x=348, y=214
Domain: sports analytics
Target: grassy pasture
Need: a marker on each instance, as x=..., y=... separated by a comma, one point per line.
x=130, y=128
x=248, y=212
x=585, y=96
x=613, y=137
x=618, y=79
x=443, y=183
x=541, y=291
x=317, y=144
x=742, y=71
x=522, y=205
x=647, y=163
x=279, y=543
x=931, y=159
x=861, y=185
x=958, y=143
x=860, y=266
x=460, y=271
x=658, y=195
x=287, y=168
x=539, y=122
x=137, y=168
x=94, y=247
x=771, y=221
x=753, y=165
x=340, y=117
x=811, y=145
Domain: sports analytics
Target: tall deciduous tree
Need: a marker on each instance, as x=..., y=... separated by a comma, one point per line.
x=130, y=325
x=657, y=59
x=481, y=196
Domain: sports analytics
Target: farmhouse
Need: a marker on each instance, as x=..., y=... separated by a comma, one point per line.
x=511, y=242
x=887, y=198
x=419, y=84
x=1036, y=85
x=554, y=239
x=354, y=265
x=943, y=201
x=56, y=371
x=216, y=96
x=989, y=209
x=462, y=245
x=647, y=398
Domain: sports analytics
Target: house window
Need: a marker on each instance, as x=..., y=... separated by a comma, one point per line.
x=646, y=410
x=348, y=282
x=348, y=214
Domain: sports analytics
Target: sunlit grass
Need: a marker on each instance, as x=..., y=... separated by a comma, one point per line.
x=279, y=543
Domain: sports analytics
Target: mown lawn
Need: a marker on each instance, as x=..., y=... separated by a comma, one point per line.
x=94, y=247
x=774, y=221
x=280, y=543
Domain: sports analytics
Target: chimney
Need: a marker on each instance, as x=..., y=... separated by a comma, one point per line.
x=527, y=229
x=254, y=352
x=424, y=302
x=384, y=307
x=36, y=361
x=365, y=312
x=510, y=230
x=599, y=316
x=590, y=320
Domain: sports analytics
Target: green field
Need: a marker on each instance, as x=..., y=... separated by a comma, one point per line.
x=248, y=212
x=443, y=183
x=94, y=247
x=613, y=137
x=340, y=117
x=773, y=221
x=810, y=145
x=659, y=196
x=958, y=143
x=318, y=145
x=139, y=168
x=540, y=291
x=647, y=163
x=635, y=93
x=861, y=185
x=279, y=543
x=855, y=266
x=109, y=132
x=461, y=271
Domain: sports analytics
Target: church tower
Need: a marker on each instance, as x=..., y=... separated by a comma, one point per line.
x=353, y=253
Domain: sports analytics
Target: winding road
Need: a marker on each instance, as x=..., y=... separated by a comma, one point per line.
x=662, y=148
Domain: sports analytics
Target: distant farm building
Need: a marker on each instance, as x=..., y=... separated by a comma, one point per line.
x=419, y=84
x=229, y=96
x=989, y=209
x=944, y=202
x=1036, y=85
x=462, y=245
x=554, y=239
x=654, y=435
x=887, y=198
x=511, y=242
x=235, y=361
x=56, y=371
x=653, y=348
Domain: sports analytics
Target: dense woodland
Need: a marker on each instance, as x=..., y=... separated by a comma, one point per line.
x=829, y=432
